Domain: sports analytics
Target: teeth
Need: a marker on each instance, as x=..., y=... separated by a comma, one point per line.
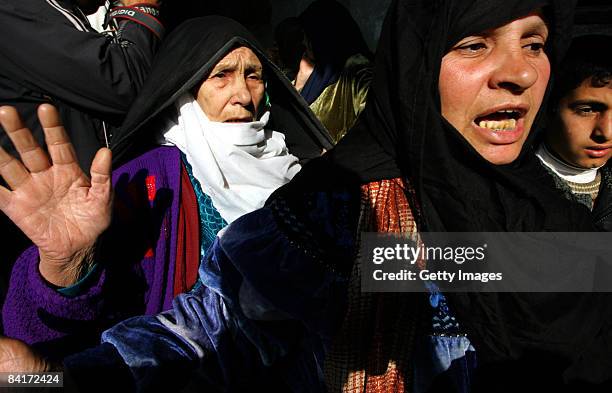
x=498, y=125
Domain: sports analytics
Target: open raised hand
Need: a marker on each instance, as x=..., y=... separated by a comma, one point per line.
x=53, y=202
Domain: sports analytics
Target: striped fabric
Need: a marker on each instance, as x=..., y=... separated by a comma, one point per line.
x=69, y=14
x=373, y=348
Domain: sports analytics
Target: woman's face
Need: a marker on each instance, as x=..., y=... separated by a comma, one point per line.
x=234, y=89
x=492, y=85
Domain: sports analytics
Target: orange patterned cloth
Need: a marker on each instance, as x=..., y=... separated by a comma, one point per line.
x=387, y=208
x=373, y=348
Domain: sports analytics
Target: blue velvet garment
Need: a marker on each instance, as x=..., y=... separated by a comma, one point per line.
x=264, y=316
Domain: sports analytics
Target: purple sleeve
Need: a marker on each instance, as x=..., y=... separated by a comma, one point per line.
x=37, y=313
x=34, y=311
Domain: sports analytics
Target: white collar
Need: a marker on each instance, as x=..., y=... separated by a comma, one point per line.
x=564, y=170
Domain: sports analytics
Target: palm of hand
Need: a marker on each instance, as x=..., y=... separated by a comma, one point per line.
x=53, y=202
x=57, y=211
x=16, y=356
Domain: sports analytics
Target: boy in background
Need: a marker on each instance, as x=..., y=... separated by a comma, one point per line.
x=578, y=141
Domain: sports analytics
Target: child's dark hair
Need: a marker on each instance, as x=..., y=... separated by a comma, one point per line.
x=588, y=57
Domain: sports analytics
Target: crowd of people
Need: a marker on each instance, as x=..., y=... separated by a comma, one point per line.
x=194, y=209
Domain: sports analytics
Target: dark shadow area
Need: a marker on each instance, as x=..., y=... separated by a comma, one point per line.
x=249, y=13
x=133, y=234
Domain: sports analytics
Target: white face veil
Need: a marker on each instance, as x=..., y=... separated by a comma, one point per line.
x=237, y=164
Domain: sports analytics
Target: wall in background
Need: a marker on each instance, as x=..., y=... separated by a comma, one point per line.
x=261, y=16
x=368, y=14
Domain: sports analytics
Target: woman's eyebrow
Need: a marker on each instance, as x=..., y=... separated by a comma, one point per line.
x=253, y=67
x=233, y=66
x=222, y=68
x=536, y=27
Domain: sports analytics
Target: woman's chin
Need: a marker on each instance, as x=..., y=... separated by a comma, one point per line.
x=501, y=154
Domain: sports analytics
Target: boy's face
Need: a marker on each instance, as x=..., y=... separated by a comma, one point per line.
x=582, y=131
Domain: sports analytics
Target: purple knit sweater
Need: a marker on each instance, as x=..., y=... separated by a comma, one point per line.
x=35, y=312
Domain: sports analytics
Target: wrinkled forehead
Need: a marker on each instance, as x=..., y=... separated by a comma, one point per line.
x=473, y=17
x=235, y=54
x=239, y=56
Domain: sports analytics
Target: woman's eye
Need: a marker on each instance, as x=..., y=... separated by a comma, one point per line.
x=536, y=47
x=254, y=77
x=474, y=47
x=219, y=75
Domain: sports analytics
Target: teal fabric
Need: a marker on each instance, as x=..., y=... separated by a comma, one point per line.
x=80, y=286
x=211, y=221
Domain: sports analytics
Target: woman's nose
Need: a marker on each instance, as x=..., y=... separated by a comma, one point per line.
x=241, y=94
x=513, y=71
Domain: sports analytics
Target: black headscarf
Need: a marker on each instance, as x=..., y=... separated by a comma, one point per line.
x=457, y=189
x=185, y=59
x=593, y=17
x=403, y=134
x=333, y=33
x=334, y=37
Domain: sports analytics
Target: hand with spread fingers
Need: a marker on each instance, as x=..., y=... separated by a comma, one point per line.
x=50, y=198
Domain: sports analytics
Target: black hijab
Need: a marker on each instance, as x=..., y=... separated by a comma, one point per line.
x=186, y=57
x=333, y=33
x=402, y=134
x=405, y=134
x=334, y=36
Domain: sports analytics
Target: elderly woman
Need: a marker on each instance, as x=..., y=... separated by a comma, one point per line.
x=444, y=146
x=232, y=130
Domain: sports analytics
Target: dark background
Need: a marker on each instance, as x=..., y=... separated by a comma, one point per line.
x=261, y=16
